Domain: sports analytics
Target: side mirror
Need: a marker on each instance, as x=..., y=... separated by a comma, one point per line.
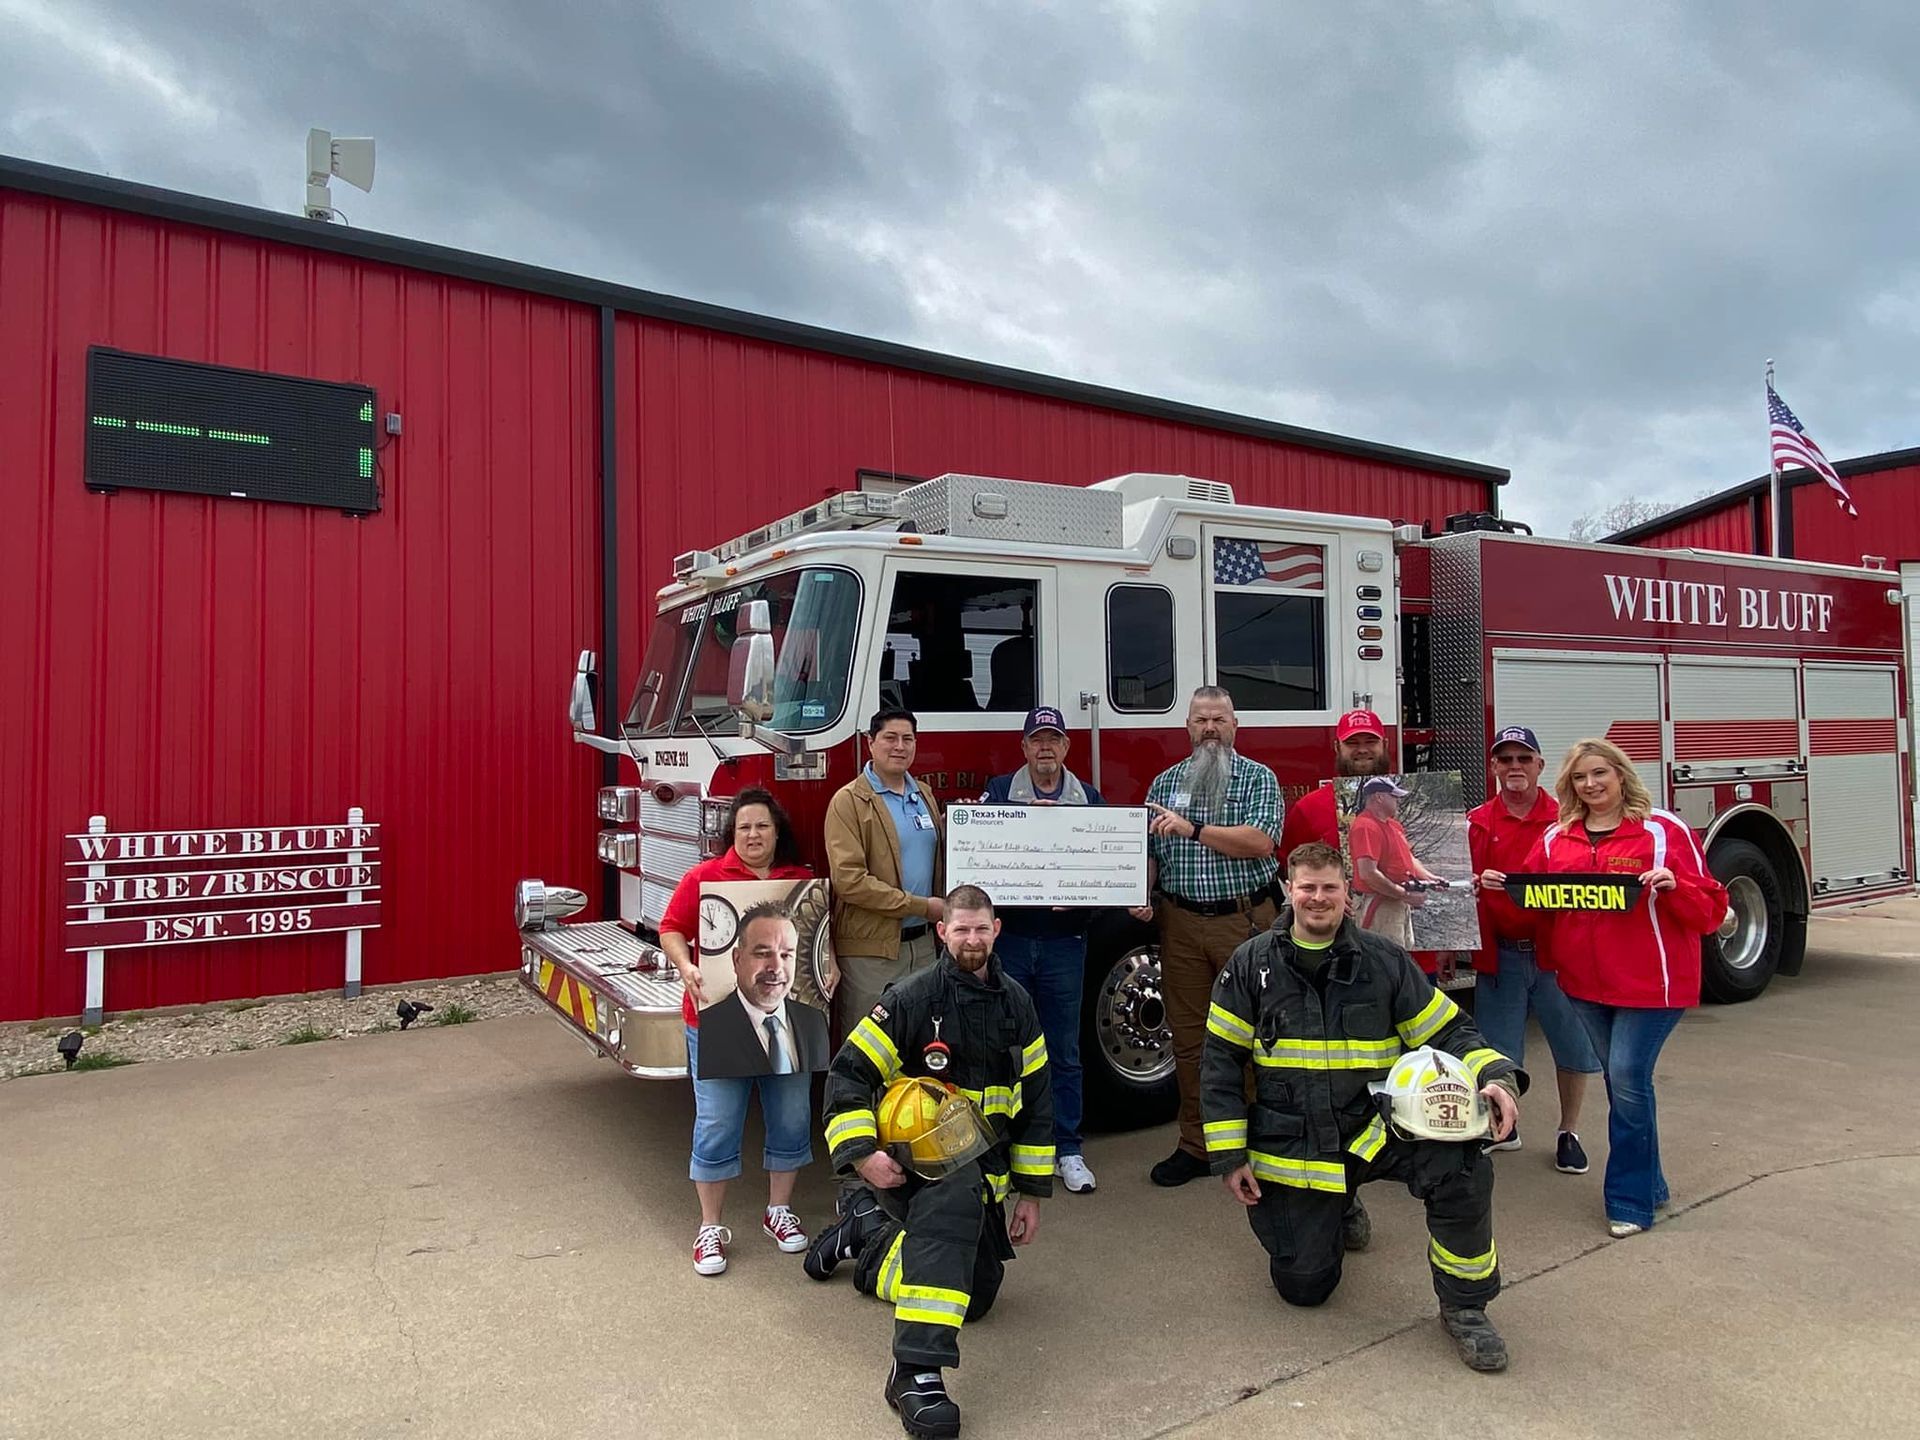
x=580, y=706
x=750, y=665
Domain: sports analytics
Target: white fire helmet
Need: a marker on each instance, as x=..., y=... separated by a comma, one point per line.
x=1431, y=1095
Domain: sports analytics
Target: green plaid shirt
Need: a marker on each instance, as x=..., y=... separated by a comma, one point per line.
x=1189, y=868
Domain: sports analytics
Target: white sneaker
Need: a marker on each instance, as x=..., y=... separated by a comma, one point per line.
x=1073, y=1172
x=783, y=1227
x=1621, y=1229
x=710, y=1250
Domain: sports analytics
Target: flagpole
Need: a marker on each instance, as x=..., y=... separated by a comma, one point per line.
x=1773, y=491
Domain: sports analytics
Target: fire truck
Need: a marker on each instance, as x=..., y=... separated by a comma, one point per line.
x=1763, y=701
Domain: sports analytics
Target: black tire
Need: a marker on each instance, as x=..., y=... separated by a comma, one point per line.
x=812, y=907
x=1737, y=963
x=1126, y=1048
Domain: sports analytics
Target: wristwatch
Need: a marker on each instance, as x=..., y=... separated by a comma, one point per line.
x=1198, y=826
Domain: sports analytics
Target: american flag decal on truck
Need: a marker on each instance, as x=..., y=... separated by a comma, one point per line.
x=1268, y=564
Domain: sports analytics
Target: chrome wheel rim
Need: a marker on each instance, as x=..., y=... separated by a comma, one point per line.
x=1744, y=933
x=1130, y=1019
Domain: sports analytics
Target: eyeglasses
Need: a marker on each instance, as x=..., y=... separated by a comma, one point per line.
x=1515, y=759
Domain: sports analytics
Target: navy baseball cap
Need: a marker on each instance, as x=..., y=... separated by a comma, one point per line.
x=1380, y=785
x=1043, y=717
x=1515, y=735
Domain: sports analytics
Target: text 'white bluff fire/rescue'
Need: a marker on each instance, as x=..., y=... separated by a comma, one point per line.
x=1695, y=602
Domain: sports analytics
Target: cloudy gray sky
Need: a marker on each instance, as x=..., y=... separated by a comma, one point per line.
x=1553, y=237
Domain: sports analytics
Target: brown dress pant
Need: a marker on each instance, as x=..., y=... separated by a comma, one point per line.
x=1194, y=949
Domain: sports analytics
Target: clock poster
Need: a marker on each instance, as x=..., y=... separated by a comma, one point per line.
x=767, y=968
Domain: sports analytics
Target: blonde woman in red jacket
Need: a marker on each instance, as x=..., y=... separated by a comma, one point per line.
x=1632, y=974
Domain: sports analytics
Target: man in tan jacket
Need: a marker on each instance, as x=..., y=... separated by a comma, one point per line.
x=883, y=855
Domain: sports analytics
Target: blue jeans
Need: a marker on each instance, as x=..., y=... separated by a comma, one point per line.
x=1052, y=970
x=1500, y=1003
x=1628, y=1043
x=720, y=1118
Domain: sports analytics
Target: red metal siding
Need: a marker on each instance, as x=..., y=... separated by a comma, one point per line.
x=1888, y=524
x=176, y=662
x=719, y=432
x=1728, y=528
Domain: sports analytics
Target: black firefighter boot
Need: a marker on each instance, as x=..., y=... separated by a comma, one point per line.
x=846, y=1237
x=1356, y=1227
x=1479, y=1344
x=920, y=1397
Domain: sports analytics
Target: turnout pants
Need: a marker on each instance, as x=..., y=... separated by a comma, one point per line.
x=938, y=1259
x=1300, y=1229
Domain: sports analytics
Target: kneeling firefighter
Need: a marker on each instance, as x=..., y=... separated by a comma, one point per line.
x=1362, y=1071
x=940, y=1102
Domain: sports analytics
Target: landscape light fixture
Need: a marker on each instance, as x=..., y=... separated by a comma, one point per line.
x=351, y=158
x=409, y=1012
x=69, y=1046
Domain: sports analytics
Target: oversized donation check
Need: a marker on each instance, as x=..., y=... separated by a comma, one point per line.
x=1050, y=854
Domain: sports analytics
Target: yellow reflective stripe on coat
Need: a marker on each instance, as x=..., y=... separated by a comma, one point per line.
x=995, y=1099
x=851, y=1125
x=1466, y=1267
x=1368, y=1142
x=1288, y=1053
x=1478, y=1060
x=1229, y=1026
x=1301, y=1174
x=877, y=1046
x=1032, y=1159
x=1225, y=1134
x=1034, y=1057
x=999, y=1185
x=1434, y=1016
x=932, y=1305
x=888, y=1286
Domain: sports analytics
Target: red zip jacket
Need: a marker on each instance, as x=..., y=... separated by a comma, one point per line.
x=1649, y=957
x=1497, y=841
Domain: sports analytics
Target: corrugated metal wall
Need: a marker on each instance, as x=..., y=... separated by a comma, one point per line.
x=176, y=662
x=1888, y=524
x=1728, y=528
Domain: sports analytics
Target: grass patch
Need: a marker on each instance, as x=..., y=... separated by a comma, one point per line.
x=454, y=1013
x=89, y=1030
x=306, y=1035
x=241, y=1045
x=103, y=1060
x=237, y=1007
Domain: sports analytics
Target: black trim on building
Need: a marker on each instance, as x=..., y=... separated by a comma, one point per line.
x=1757, y=519
x=1792, y=480
x=59, y=183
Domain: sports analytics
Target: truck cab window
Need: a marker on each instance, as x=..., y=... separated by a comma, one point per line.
x=1270, y=623
x=1140, y=648
x=961, y=643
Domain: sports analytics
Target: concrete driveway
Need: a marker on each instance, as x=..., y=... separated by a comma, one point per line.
x=480, y=1230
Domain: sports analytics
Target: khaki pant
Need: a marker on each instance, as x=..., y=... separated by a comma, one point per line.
x=1194, y=949
x=863, y=977
x=1391, y=918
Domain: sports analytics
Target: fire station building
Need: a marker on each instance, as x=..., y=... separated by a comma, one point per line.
x=307, y=525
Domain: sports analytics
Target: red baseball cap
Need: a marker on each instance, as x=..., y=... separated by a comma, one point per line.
x=1359, y=722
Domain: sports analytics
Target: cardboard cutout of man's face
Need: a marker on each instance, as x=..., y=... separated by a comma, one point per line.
x=763, y=960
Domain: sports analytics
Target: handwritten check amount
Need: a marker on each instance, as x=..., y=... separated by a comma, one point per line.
x=1050, y=854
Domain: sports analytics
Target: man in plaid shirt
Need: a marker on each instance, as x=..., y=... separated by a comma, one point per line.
x=1215, y=821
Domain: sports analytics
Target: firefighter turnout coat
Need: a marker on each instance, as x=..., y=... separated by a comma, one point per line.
x=945, y=1264
x=1313, y=1059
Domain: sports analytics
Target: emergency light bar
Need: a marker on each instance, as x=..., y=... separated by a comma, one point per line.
x=850, y=510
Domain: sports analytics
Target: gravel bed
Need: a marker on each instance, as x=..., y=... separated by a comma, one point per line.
x=184, y=1033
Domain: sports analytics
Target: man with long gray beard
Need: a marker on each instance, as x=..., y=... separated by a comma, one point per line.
x=1215, y=818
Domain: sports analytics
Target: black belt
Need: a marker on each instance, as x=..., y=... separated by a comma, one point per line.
x=1225, y=907
x=913, y=932
x=1517, y=944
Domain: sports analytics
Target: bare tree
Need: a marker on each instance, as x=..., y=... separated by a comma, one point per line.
x=1598, y=524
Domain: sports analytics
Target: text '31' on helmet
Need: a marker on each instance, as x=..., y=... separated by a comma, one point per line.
x=1431, y=1095
x=930, y=1128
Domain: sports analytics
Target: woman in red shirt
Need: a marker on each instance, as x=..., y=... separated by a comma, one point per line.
x=763, y=848
x=1630, y=974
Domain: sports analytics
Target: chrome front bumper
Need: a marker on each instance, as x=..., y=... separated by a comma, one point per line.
x=613, y=990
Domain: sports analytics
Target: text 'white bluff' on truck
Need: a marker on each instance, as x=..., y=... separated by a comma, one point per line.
x=1764, y=701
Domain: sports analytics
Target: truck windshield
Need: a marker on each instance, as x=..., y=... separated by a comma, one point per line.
x=664, y=669
x=815, y=615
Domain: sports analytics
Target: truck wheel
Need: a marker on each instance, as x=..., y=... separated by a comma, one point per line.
x=812, y=906
x=1740, y=958
x=1126, y=1046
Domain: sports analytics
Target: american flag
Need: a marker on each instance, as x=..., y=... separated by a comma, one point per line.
x=1256, y=562
x=1793, y=446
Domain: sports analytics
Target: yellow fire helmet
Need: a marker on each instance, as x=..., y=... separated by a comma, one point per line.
x=1431, y=1095
x=930, y=1128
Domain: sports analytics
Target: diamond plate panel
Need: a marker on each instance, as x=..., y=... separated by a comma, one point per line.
x=1457, y=675
x=1058, y=514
